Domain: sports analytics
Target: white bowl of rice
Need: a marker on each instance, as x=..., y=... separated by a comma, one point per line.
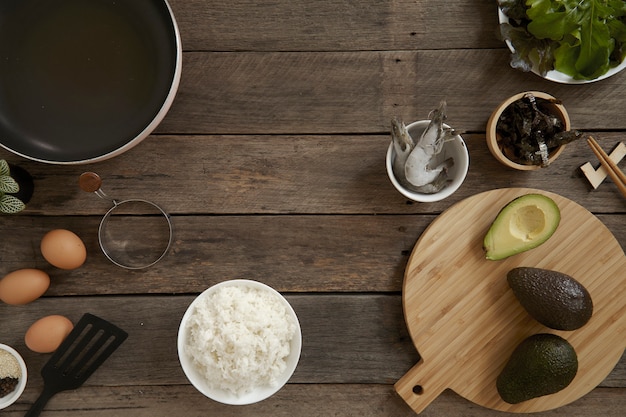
x=239, y=342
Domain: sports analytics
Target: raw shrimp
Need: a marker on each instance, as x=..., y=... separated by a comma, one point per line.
x=413, y=160
x=403, y=145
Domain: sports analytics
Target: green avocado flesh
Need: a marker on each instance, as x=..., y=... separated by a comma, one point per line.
x=521, y=225
x=554, y=299
x=542, y=364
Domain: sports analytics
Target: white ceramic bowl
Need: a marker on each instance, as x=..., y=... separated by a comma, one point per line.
x=558, y=76
x=10, y=398
x=227, y=397
x=455, y=148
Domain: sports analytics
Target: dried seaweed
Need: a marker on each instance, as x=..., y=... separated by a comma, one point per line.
x=529, y=131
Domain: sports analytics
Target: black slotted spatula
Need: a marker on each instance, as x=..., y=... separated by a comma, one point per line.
x=87, y=346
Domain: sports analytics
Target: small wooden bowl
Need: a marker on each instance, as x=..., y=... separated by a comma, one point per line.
x=493, y=141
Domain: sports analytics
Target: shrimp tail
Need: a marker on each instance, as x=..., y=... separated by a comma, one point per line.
x=403, y=144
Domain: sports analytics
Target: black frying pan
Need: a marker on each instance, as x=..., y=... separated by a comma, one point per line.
x=84, y=80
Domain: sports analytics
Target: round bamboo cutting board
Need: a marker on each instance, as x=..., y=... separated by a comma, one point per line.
x=465, y=321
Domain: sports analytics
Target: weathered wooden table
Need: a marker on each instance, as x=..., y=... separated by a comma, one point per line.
x=271, y=163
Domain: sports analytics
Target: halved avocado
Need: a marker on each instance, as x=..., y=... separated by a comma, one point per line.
x=523, y=224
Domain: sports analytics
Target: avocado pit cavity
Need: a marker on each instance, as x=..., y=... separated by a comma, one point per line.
x=528, y=223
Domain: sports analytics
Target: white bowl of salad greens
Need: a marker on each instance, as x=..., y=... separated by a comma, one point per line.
x=554, y=39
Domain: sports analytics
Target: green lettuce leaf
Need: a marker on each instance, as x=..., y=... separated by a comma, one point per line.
x=565, y=57
x=553, y=25
x=618, y=30
x=584, y=38
x=596, y=46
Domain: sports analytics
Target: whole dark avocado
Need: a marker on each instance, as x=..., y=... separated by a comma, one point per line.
x=553, y=298
x=542, y=364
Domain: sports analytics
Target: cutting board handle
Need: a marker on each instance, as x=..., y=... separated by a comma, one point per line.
x=420, y=386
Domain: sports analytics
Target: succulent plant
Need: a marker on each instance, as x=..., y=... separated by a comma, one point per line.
x=9, y=203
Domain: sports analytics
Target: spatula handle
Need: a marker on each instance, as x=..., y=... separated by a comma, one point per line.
x=40, y=403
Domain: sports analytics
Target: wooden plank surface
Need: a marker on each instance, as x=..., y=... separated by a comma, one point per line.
x=359, y=92
x=294, y=174
x=324, y=25
x=313, y=400
x=315, y=253
x=380, y=349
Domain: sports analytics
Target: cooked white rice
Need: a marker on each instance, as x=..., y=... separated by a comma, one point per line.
x=239, y=338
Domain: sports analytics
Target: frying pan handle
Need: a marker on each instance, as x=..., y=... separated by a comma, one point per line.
x=420, y=386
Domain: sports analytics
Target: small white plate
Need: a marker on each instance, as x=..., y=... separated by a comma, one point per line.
x=10, y=398
x=558, y=76
x=227, y=397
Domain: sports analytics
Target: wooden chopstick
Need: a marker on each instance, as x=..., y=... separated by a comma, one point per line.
x=618, y=177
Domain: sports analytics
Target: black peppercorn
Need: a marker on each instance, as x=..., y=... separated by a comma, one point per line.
x=7, y=385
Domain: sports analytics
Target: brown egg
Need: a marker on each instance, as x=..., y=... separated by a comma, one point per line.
x=46, y=334
x=23, y=286
x=63, y=249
